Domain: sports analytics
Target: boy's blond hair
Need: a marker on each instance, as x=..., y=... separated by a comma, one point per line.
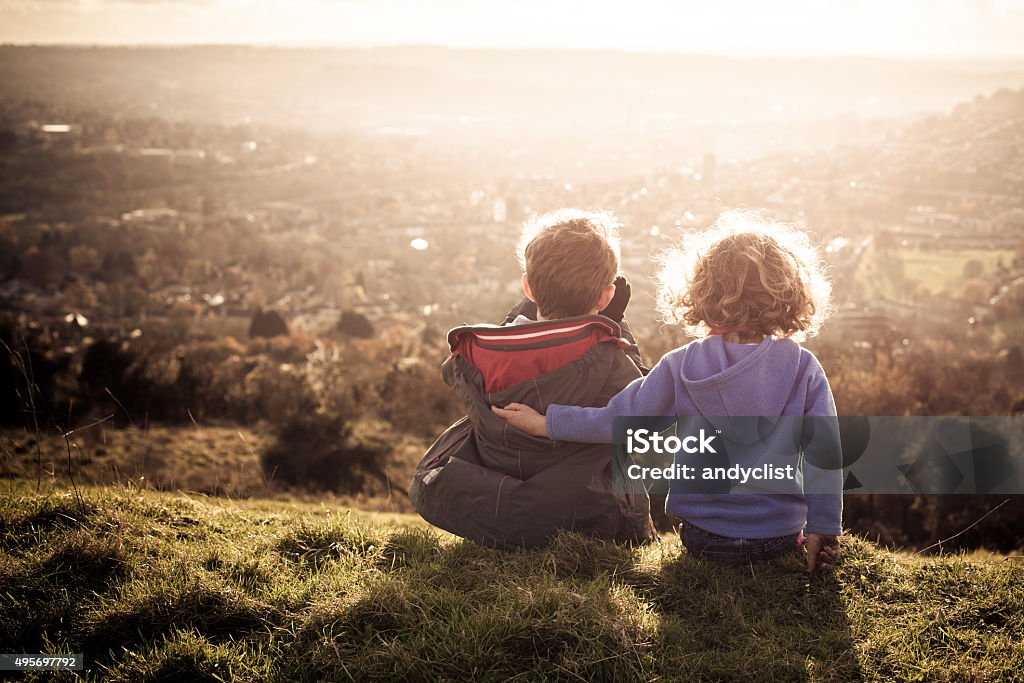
x=745, y=274
x=569, y=258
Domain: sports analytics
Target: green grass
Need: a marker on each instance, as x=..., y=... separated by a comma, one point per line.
x=944, y=270
x=213, y=460
x=208, y=459
x=167, y=587
x=938, y=271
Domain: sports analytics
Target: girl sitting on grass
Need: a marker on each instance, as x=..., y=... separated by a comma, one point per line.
x=748, y=290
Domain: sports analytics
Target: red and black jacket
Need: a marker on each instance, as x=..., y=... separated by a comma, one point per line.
x=490, y=483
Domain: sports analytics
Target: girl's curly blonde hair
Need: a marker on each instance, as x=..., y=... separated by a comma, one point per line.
x=746, y=274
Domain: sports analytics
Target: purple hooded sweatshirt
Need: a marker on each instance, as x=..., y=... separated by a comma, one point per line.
x=718, y=379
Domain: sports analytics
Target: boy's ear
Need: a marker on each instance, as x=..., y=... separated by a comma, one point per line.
x=607, y=294
x=526, y=289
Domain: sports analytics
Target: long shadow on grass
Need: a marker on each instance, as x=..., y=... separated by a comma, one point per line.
x=211, y=609
x=576, y=608
x=457, y=611
x=766, y=621
x=46, y=600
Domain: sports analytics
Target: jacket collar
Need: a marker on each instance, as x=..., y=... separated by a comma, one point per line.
x=510, y=354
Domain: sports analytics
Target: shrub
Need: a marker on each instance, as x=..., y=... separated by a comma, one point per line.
x=276, y=392
x=355, y=324
x=415, y=400
x=32, y=377
x=267, y=324
x=207, y=374
x=316, y=452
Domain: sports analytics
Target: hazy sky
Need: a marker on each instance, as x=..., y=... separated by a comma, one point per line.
x=957, y=28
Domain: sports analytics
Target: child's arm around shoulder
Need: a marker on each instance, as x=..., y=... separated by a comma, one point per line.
x=653, y=395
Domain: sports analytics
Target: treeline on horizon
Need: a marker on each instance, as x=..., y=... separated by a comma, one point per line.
x=208, y=80
x=313, y=394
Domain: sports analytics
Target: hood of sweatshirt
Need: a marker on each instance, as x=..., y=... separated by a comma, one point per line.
x=741, y=389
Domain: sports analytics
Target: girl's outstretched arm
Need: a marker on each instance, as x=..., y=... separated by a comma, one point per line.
x=653, y=395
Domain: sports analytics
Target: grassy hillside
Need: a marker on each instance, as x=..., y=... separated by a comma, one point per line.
x=160, y=586
x=212, y=460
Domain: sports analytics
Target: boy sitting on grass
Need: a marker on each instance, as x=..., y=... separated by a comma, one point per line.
x=503, y=488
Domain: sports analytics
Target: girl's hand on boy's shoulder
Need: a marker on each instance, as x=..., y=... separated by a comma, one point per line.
x=822, y=552
x=523, y=418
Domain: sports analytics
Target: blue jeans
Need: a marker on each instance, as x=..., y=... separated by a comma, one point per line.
x=727, y=550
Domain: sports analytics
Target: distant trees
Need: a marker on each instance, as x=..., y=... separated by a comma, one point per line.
x=414, y=399
x=1013, y=363
x=267, y=324
x=117, y=265
x=355, y=324
x=885, y=241
x=43, y=267
x=108, y=375
x=8, y=140
x=10, y=255
x=78, y=296
x=975, y=291
x=85, y=260
x=32, y=378
x=973, y=269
